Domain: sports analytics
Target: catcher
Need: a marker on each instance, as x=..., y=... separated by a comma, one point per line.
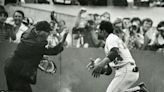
x=119, y=58
x=21, y=68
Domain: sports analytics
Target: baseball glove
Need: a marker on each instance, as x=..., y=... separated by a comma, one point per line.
x=47, y=66
x=107, y=70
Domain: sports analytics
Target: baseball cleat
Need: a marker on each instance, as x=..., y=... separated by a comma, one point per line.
x=142, y=87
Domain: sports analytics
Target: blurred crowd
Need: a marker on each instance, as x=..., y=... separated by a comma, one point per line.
x=138, y=33
x=124, y=3
x=87, y=31
x=12, y=28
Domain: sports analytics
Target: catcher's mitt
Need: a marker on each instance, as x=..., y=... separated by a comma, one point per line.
x=47, y=66
x=107, y=70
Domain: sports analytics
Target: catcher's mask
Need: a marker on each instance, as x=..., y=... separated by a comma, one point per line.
x=47, y=66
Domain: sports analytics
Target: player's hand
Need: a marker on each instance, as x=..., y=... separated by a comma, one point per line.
x=53, y=16
x=64, y=37
x=98, y=67
x=82, y=10
x=97, y=71
x=90, y=66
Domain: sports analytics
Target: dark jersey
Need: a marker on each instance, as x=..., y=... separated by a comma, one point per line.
x=28, y=55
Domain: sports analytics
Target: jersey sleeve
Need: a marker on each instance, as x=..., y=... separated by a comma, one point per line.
x=111, y=41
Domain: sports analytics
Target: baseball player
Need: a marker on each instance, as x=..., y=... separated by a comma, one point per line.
x=119, y=58
x=21, y=67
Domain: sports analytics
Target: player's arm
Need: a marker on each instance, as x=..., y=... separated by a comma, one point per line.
x=10, y=32
x=55, y=50
x=120, y=65
x=113, y=55
x=146, y=42
x=96, y=41
x=78, y=18
x=58, y=48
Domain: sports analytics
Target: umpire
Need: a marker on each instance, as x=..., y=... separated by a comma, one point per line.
x=21, y=67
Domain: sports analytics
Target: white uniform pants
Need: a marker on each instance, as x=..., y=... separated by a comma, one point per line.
x=124, y=79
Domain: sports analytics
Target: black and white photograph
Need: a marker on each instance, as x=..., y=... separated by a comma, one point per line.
x=81, y=45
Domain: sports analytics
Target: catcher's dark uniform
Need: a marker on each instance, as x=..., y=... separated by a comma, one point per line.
x=20, y=69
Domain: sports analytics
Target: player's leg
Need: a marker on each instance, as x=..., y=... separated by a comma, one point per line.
x=122, y=81
x=18, y=85
x=114, y=83
x=15, y=83
x=129, y=79
x=133, y=89
x=140, y=87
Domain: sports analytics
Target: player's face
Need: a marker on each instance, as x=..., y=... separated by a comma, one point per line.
x=135, y=26
x=3, y=17
x=43, y=35
x=97, y=19
x=18, y=17
x=146, y=25
x=161, y=30
x=119, y=25
x=61, y=24
x=103, y=34
x=126, y=23
x=105, y=17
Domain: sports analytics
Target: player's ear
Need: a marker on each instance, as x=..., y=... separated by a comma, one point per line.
x=36, y=31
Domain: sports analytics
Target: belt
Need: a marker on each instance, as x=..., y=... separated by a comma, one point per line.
x=131, y=63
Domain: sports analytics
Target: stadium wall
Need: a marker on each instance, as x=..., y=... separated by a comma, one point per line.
x=72, y=75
